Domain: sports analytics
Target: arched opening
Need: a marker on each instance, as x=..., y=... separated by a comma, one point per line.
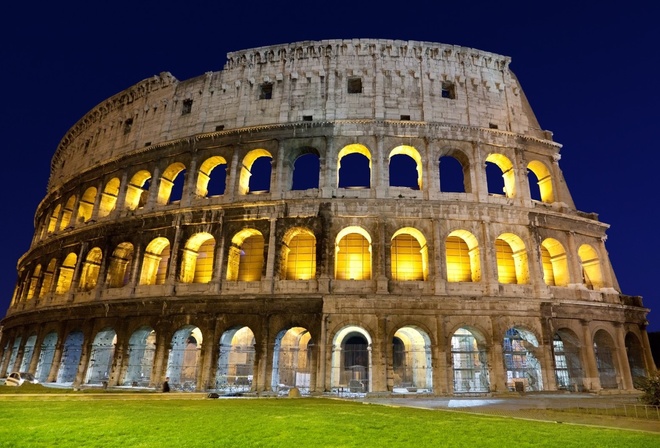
x=592, y=274
x=86, y=205
x=604, y=350
x=555, y=263
x=292, y=360
x=34, y=281
x=306, y=169
x=469, y=362
x=155, y=262
x=65, y=276
x=119, y=270
x=255, y=172
x=109, y=197
x=351, y=360
x=67, y=212
x=299, y=254
x=71, y=352
x=236, y=360
x=246, y=256
x=137, y=190
x=500, y=176
x=635, y=354
x=197, y=259
x=409, y=255
x=46, y=355
x=90, y=269
x=511, y=258
x=411, y=360
x=171, y=184
x=540, y=182
x=568, y=367
x=14, y=353
x=141, y=350
x=405, y=168
x=353, y=254
x=523, y=369
x=47, y=281
x=452, y=175
x=183, y=360
x=212, y=177
x=101, y=357
x=463, y=257
x=354, y=167
x=52, y=220
x=28, y=351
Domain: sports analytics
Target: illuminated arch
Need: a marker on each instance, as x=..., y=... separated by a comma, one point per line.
x=101, y=357
x=463, y=257
x=184, y=357
x=67, y=212
x=566, y=348
x=469, y=361
x=47, y=281
x=351, y=362
x=90, y=269
x=34, y=281
x=65, y=276
x=52, y=220
x=236, y=360
x=353, y=254
x=197, y=259
x=86, y=205
x=592, y=274
x=167, y=181
x=141, y=353
x=345, y=151
x=119, y=270
x=413, y=154
x=137, y=190
x=409, y=255
x=506, y=167
x=246, y=256
x=205, y=174
x=155, y=262
x=246, y=169
x=521, y=364
x=555, y=263
x=411, y=359
x=544, y=180
x=512, y=266
x=109, y=197
x=299, y=254
x=292, y=359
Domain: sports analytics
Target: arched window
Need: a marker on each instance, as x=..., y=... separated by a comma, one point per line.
x=511, y=259
x=65, y=276
x=520, y=363
x=52, y=220
x=499, y=165
x=306, y=170
x=463, y=257
x=212, y=177
x=119, y=270
x=353, y=254
x=469, y=362
x=67, y=212
x=197, y=259
x=555, y=263
x=171, y=184
x=568, y=367
x=354, y=167
x=453, y=175
x=154, y=264
x=109, y=197
x=255, y=172
x=299, y=254
x=86, y=205
x=605, y=352
x=405, y=167
x=409, y=255
x=47, y=281
x=539, y=174
x=592, y=274
x=34, y=281
x=90, y=269
x=246, y=256
x=137, y=190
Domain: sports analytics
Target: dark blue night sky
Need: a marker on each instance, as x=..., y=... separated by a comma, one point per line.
x=589, y=70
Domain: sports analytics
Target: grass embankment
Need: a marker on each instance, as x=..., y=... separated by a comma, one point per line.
x=309, y=422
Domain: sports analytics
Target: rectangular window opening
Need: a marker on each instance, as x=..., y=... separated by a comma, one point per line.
x=307, y=118
x=187, y=107
x=354, y=85
x=492, y=125
x=266, y=91
x=220, y=128
x=405, y=117
x=448, y=90
x=128, y=124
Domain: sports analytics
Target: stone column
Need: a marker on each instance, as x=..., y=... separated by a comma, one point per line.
x=626, y=382
x=591, y=378
x=160, y=358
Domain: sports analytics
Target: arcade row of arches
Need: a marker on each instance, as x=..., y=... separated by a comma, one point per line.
x=353, y=260
x=255, y=175
x=295, y=357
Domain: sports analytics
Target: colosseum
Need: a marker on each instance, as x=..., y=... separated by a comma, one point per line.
x=339, y=216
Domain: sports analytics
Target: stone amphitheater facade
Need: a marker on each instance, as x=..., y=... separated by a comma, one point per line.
x=217, y=232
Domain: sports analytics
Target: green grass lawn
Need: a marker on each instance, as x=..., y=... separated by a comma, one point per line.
x=308, y=422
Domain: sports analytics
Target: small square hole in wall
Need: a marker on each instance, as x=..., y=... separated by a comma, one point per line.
x=448, y=90
x=128, y=124
x=147, y=144
x=492, y=125
x=266, y=91
x=220, y=128
x=354, y=85
x=187, y=107
x=405, y=117
x=307, y=118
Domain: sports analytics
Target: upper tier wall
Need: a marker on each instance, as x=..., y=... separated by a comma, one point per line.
x=419, y=81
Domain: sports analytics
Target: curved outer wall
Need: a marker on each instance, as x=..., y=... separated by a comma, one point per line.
x=110, y=197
